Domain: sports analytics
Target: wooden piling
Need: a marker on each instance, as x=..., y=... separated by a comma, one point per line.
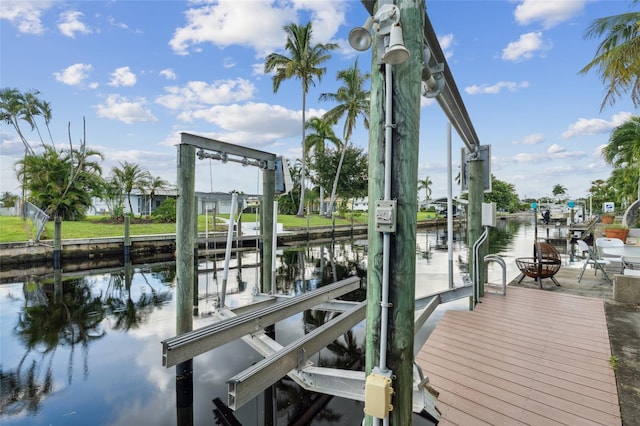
x=406, y=94
x=266, y=227
x=474, y=229
x=185, y=238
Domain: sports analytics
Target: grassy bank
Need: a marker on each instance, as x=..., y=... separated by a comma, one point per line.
x=15, y=229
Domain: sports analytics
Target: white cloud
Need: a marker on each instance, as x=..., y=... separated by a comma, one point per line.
x=254, y=123
x=494, y=89
x=120, y=108
x=254, y=117
x=554, y=152
x=525, y=47
x=247, y=23
x=74, y=75
x=533, y=139
x=446, y=44
x=199, y=94
x=168, y=73
x=122, y=77
x=549, y=12
x=326, y=17
x=111, y=20
x=555, y=149
x=70, y=24
x=25, y=15
x=257, y=25
x=594, y=126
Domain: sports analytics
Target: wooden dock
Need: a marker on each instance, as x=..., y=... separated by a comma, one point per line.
x=530, y=357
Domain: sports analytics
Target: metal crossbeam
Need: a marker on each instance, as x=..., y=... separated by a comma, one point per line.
x=227, y=148
x=189, y=345
x=280, y=361
x=246, y=385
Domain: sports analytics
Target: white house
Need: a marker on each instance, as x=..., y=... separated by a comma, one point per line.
x=140, y=203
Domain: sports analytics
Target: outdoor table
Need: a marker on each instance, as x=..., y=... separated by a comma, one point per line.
x=625, y=251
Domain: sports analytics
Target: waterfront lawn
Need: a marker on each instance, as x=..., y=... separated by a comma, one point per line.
x=14, y=229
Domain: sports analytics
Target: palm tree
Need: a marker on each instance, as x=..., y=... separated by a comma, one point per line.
x=558, y=190
x=353, y=103
x=426, y=185
x=13, y=111
x=617, y=59
x=623, y=148
x=62, y=183
x=303, y=64
x=130, y=176
x=322, y=131
x=155, y=184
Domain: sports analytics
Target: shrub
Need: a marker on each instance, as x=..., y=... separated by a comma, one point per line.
x=166, y=212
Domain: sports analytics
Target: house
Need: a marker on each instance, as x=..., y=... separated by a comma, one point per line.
x=141, y=203
x=221, y=201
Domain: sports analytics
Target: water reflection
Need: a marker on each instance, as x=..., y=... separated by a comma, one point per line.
x=85, y=349
x=57, y=315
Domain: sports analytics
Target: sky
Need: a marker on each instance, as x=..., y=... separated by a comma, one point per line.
x=137, y=73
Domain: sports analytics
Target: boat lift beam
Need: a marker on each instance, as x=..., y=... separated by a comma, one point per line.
x=292, y=359
x=191, y=344
x=245, y=386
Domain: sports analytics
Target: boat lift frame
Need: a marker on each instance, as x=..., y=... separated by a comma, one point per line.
x=293, y=359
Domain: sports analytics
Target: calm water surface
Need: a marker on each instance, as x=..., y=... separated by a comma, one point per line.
x=87, y=351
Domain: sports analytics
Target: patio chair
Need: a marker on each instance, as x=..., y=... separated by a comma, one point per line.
x=602, y=243
x=545, y=263
x=592, y=259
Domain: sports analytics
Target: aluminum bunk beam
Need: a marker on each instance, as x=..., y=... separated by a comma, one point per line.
x=189, y=345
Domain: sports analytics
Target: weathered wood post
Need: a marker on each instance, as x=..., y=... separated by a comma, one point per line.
x=476, y=197
x=195, y=255
x=185, y=239
x=127, y=238
x=404, y=175
x=266, y=226
x=57, y=243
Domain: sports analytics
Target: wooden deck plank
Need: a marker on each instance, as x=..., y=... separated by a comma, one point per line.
x=557, y=363
x=521, y=386
x=529, y=357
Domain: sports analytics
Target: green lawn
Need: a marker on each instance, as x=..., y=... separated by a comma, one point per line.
x=14, y=229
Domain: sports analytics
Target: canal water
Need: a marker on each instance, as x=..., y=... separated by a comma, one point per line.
x=87, y=351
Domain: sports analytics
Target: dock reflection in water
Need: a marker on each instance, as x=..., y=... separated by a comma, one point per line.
x=85, y=348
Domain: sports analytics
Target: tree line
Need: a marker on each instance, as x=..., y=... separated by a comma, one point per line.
x=63, y=182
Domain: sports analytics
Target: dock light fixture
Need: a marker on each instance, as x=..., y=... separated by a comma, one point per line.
x=396, y=53
x=360, y=37
x=386, y=22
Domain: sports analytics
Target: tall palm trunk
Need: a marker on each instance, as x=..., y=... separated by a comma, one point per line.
x=332, y=200
x=303, y=171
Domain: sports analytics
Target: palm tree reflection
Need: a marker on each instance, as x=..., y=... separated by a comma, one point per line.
x=69, y=313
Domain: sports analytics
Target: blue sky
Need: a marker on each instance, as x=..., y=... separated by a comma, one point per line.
x=140, y=72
